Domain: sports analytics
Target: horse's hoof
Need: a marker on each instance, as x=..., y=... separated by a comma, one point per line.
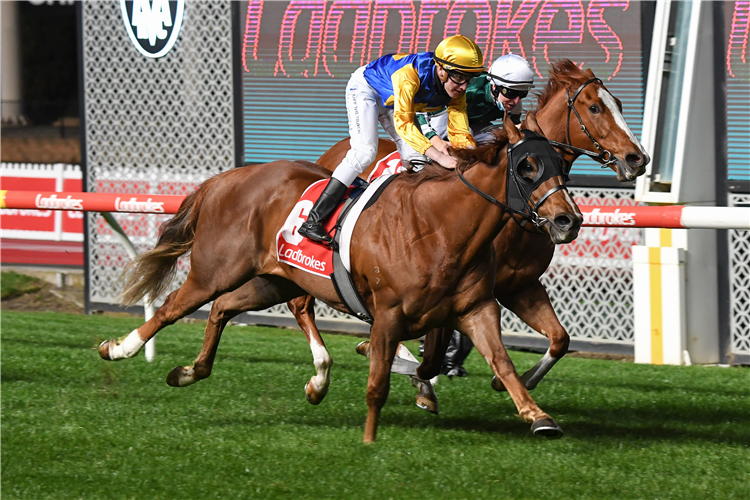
x=427, y=404
x=180, y=377
x=497, y=384
x=104, y=350
x=547, y=427
x=313, y=396
x=363, y=348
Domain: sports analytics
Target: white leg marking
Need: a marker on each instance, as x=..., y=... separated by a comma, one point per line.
x=128, y=347
x=532, y=377
x=404, y=352
x=404, y=363
x=404, y=366
x=611, y=104
x=323, y=363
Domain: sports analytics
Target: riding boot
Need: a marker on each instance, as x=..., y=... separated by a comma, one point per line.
x=324, y=206
x=458, y=349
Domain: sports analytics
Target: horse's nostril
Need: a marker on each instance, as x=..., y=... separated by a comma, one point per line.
x=634, y=160
x=563, y=222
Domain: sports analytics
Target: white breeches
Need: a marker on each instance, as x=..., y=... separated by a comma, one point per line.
x=364, y=111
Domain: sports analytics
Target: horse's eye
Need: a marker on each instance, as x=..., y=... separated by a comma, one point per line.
x=526, y=170
x=595, y=109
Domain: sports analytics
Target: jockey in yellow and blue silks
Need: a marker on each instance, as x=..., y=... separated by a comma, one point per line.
x=390, y=90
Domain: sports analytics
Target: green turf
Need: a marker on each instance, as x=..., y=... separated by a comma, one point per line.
x=74, y=426
x=13, y=284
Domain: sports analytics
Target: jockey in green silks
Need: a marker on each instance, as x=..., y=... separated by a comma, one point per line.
x=508, y=81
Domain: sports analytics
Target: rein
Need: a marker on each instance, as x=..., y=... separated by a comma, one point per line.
x=604, y=156
x=529, y=215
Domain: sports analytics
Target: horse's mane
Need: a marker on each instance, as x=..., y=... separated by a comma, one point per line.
x=488, y=152
x=562, y=75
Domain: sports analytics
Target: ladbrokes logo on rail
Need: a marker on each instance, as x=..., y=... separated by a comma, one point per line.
x=133, y=205
x=153, y=25
x=55, y=203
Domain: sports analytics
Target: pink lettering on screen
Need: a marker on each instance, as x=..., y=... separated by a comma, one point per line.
x=358, y=48
x=544, y=35
x=380, y=19
x=738, y=36
x=317, y=10
x=508, y=27
x=427, y=11
x=603, y=34
x=252, y=30
x=483, y=12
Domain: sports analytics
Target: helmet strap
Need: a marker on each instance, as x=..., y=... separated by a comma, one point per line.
x=440, y=83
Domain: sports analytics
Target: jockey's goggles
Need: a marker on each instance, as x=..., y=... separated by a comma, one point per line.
x=513, y=93
x=459, y=78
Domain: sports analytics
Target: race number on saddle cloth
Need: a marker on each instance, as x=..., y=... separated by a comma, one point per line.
x=389, y=165
x=317, y=258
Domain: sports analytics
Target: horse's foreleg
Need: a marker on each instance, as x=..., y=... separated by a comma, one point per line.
x=532, y=305
x=384, y=341
x=303, y=309
x=483, y=327
x=183, y=301
x=257, y=294
x=405, y=363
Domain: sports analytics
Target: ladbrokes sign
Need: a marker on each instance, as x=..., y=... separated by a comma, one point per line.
x=153, y=25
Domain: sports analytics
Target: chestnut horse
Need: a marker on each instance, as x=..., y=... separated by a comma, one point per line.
x=421, y=257
x=577, y=112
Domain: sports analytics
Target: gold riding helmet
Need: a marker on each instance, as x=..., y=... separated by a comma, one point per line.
x=458, y=54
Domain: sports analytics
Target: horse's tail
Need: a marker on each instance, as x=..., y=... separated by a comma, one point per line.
x=151, y=273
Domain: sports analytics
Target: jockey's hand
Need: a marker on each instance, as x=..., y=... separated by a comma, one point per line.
x=439, y=144
x=441, y=159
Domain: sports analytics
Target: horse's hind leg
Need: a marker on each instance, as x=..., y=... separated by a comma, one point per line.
x=532, y=305
x=257, y=294
x=183, y=301
x=303, y=309
x=483, y=327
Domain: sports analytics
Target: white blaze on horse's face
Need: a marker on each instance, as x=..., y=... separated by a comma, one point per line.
x=611, y=104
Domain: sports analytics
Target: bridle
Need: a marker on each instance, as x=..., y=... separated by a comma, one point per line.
x=530, y=210
x=605, y=157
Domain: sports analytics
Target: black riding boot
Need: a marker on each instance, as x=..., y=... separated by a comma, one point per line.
x=458, y=350
x=329, y=199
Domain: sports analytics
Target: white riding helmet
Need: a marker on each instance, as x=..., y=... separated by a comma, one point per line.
x=511, y=71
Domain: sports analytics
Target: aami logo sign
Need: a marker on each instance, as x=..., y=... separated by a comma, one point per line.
x=153, y=25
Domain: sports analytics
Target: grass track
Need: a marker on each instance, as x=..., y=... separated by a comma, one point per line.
x=74, y=426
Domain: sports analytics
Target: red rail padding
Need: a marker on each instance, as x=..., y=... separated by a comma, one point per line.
x=669, y=217
x=91, y=202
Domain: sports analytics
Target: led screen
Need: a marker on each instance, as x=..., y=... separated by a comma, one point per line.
x=297, y=57
x=737, y=25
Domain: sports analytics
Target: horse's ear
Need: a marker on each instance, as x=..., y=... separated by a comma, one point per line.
x=530, y=123
x=590, y=73
x=514, y=135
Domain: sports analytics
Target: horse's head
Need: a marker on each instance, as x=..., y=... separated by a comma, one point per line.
x=576, y=109
x=536, y=183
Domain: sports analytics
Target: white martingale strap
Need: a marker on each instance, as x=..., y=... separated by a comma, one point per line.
x=351, y=220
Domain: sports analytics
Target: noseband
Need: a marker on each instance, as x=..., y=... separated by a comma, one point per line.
x=534, y=146
x=604, y=156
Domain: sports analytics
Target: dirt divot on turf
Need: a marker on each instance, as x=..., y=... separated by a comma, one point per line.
x=67, y=299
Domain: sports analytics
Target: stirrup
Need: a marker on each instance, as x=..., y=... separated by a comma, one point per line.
x=315, y=232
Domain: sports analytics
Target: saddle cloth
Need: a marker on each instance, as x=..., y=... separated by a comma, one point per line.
x=294, y=249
